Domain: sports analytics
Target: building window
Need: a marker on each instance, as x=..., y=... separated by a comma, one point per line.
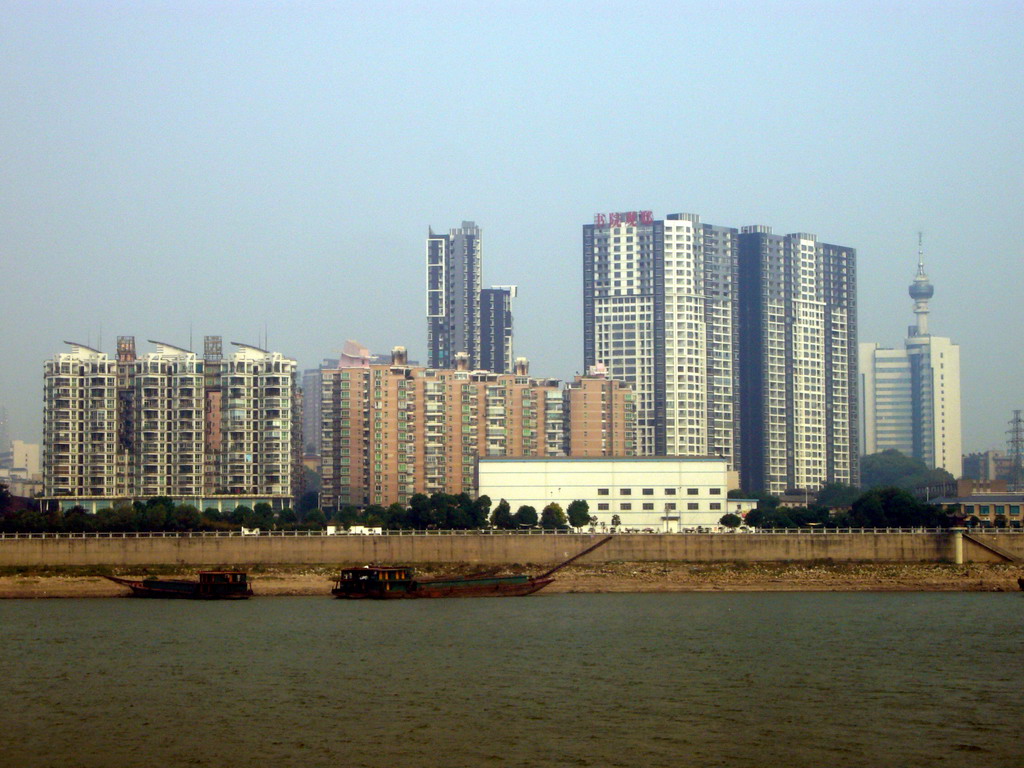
x=716, y=491
x=648, y=505
x=670, y=491
x=602, y=507
x=693, y=506
x=716, y=505
x=670, y=507
x=625, y=506
x=1014, y=509
x=692, y=491
x=648, y=491
x=602, y=491
x=625, y=491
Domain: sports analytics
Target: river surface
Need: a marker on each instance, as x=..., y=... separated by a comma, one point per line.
x=729, y=679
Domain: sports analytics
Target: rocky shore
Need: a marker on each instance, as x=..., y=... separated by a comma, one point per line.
x=596, y=578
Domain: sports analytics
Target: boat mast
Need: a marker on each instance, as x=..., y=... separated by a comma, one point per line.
x=575, y=557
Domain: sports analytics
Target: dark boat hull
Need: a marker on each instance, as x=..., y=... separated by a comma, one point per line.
x=427, y=589
x=178, y=590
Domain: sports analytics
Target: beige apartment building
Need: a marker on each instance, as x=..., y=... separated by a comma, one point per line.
x=600, y=417
x=391, y=431
x=207, y=429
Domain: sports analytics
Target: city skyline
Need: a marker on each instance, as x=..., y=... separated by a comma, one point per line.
x=188, y=169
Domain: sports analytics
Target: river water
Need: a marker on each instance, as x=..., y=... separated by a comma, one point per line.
x=729, y=679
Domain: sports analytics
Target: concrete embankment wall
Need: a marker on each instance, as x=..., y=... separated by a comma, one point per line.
x=495, y=549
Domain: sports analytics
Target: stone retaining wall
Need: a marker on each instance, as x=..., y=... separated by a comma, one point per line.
x=498, y=549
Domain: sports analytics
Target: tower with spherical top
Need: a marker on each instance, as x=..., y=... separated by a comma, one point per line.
x=920, y=291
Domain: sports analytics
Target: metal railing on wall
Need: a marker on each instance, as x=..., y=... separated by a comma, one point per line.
x=492, y=532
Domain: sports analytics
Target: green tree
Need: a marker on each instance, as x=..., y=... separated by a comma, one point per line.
x=375, y=515
x=730, y=520
x=287, y=516
x=552, y=516
x=894, y=508
x=892, y=469
x=311, y=479
x=346, y=516
x=185, y=517
x=525, y=516
x=578, y=512
x=765, y=501
x=239, y=515
x=307, y=501
x=616, y=521
x=264, y=515
x=501, y=517
x=834, y=495
x=419, y=511
x=396, y=517
x=481, y=511
x=155, y=515
x=314, y=519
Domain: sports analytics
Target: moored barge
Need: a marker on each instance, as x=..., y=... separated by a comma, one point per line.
x=212, y=585
x=376, y=582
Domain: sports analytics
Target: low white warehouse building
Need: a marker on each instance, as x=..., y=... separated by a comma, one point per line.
x=668, y=494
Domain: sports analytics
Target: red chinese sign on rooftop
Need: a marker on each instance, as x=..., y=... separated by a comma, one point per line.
x=629, y=218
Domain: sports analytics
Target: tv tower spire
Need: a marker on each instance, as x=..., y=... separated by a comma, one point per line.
x=920, y=291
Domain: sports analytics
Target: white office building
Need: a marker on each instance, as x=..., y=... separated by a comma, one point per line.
x=664, y=494
x=910, y=397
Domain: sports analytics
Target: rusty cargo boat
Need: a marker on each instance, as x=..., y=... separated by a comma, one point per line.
x=376, y=582
x=212, y=585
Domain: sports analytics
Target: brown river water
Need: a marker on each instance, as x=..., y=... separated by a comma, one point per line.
x=698, y=679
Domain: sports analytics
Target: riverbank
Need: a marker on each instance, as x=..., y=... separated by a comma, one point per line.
x=597, y=578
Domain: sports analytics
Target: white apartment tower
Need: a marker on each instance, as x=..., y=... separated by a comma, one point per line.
x=659, y=313
x=80, y=428
x=910, y=397
x=257, y=392
x=168, y=423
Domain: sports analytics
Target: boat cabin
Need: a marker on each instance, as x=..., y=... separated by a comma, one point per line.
x=372, y=580
x=223, y=577
x=223, y=583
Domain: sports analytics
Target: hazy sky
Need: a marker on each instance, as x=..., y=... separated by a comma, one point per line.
x=222, y=167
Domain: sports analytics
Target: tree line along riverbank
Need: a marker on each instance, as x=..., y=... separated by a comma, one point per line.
x=614, y=577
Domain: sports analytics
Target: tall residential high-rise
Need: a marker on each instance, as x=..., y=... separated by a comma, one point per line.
x=462, y=317
x=496, y=328
x=798, y=361
x=910, y=397
x=391, y=431
x=170, y=423
x=704, y=322
x=453, y=295
x=660, y=313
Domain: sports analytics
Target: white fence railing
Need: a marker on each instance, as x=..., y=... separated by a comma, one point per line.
x=497, y=532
